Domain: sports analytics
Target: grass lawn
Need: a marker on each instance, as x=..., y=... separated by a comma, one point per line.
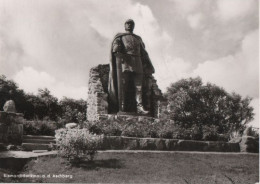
x=180, y=168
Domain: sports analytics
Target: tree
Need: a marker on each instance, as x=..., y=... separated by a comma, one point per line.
x=73, y=110
x=43, y=105
x=10, y=91
x=192, y=103
x=38, y=109
x=51, y=103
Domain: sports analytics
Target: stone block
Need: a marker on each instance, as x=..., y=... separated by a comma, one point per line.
x=103, y=117
x=112, y=142
x=40, y=141
x=218, y=146
x=160, y=144
x=120, y=117
x=132, y=118
x=130, y=143
x=232, y=147
x=147, y=144
x=35, y=146
x=171, y=144
x=110, y=117
x=42, y=137
x=215, y=146
x=9, y=118
x=71, y=125
x=189, y=145
x=16, y=129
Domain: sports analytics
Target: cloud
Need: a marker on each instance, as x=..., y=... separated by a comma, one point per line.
x=171, y=70
x=66, y=38
x=195, y=20
x=238, y=72
x=31, y=80
x=187, y=6
x=230, y=9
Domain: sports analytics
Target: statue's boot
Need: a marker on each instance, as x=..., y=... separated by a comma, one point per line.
x=139, y=100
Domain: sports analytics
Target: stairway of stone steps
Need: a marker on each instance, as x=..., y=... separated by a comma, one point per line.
x=37, y=142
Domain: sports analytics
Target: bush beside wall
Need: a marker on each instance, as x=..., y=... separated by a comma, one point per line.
x=133, y=126
x=39, y=128
x=77, y=144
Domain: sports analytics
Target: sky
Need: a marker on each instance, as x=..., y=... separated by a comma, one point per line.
x=54, y=43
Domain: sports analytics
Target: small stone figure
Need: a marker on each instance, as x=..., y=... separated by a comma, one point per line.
x=129, y=63
x=9, y=106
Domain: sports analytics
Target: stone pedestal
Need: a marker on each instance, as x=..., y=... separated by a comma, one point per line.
x=97, y=100
x=11, y=127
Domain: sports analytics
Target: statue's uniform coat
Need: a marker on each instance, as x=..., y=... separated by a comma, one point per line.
x=135, y=65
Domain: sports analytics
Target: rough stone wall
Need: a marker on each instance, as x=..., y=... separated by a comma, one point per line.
x=98, y=92
x=133, y=143
x=11, y=127
x=156, y=98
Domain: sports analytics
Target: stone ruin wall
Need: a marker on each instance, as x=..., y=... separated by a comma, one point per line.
x=97, y=103
x=97, y=92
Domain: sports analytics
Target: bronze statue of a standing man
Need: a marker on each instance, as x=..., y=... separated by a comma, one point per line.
x=129, y=63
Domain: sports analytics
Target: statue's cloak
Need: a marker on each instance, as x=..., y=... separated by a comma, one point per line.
x=112, y=83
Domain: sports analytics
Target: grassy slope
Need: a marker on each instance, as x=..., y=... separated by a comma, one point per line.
x=153, y=167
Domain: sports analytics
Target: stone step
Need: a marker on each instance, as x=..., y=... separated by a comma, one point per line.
x=40, y=141
x=40, y=151
x=38, y=137
x=35, y=146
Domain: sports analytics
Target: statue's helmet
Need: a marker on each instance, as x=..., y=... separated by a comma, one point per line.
x=129, y=25
x=130, y=21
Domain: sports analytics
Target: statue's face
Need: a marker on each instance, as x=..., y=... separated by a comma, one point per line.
x=129, y=26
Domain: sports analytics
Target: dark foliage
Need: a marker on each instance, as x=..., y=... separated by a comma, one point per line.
x=43, y=106
x=40, y=128
x=73, y=110
x=207, y=106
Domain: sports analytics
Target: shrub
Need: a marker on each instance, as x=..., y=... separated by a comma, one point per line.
x=61, y=123
x=181, y=133
x=196, y=132
x=77, y=144
x=107, y=127
x=159, y=128
x=39, y=128
x=210, y=133
x=163, y=129
x=116, y=127
x=134, y=129
x=190, y=102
